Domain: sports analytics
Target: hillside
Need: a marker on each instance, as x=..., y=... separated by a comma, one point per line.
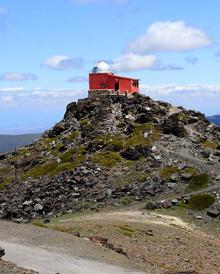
x=10, y=142
x=214, y=119
x=114, y=150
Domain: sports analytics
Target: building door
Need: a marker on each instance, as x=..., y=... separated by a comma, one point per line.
x=116, y=86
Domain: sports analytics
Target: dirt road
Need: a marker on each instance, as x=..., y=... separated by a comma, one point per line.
x=50, y=252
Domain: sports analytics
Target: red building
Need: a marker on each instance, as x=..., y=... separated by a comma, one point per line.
x=111, y=84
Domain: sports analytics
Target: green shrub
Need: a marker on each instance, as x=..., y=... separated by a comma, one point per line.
x=198, y=182
x=201, y=201
x=107, y=158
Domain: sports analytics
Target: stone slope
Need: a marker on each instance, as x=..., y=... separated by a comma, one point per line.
x=111, y=151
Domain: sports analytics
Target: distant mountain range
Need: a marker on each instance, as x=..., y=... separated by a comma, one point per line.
x=10, y=142
x=214, y=119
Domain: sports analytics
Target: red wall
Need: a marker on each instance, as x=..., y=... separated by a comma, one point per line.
x=107, y=81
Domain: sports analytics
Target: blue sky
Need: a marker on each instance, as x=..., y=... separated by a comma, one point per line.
x=48, y=47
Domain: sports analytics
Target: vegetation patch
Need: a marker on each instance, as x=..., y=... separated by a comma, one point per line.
x=107, y=158
x=6, y=182
x=41, y=170
x=182, y=116
x=63, y=167
x=5, y=171
x=113, y=141
x=126, y=230
x=198, y=182
x=84, y=122
x=200, y=201
x=67, y=156
x=210, y=144
x=126, y=200
x=145, y=134
x=73, y=136
x=74, y=156
x=167, y=172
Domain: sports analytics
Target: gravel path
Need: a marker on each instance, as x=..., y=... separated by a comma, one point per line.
x=50, y=252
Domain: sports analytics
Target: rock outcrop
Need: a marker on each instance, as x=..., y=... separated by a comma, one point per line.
x=111, y=151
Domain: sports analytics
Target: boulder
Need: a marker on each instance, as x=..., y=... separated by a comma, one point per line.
x=166, y=204
x=2, y=252
x=186, y=176
x=217, y=178
x=2, y=156
x=38, y=207
x=151, y=205
x=135, y=153
x=213, y=212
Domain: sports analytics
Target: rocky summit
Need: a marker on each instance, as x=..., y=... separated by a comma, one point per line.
x=111, y=151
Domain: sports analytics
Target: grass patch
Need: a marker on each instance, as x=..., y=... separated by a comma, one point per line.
x=40, y=170
x=113, y=142
x=39, y=223
x=72, y=136
x=200, y=201
x=138, y=135
x=210, y=144
x=62, y=167
x=126, y=230
x=167, y=172
x=5, y=171
x=198, y=182
x=84, y=122
x=5, y=183
x=126, y=201
x=76, y=154
x=107, y=158
x=182, y=116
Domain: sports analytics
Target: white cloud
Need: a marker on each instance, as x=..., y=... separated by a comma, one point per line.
x=12, y=89
x=169, y=36
x=134, y=62
x=42, y=96
x=128, y=62
x=63, y=62
x=195, y=89
x=204, y=98
x=7, y=100
x=14, y=76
